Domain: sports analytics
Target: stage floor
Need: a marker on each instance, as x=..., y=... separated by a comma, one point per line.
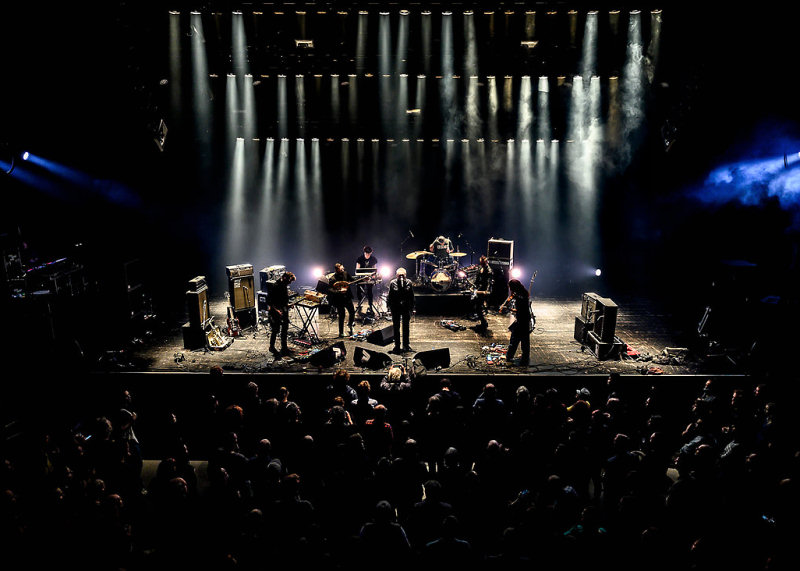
x=642, y=327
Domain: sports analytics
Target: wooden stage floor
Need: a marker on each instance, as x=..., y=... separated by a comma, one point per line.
x=640, y=325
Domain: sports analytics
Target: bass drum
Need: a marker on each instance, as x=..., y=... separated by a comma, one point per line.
x=441, y=280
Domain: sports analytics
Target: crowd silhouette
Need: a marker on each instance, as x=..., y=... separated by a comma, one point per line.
x=412, y=470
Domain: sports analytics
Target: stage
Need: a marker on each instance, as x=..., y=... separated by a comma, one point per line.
x=651, y=345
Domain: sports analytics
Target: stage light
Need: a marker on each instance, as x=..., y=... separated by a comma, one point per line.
x=25, y=155
x=516, y=273
x=597, y=272
x=318, y=272
x=462, y=274
x=385, y=271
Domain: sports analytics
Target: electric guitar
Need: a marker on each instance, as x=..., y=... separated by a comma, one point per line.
x=234, y=330
x=341, y=286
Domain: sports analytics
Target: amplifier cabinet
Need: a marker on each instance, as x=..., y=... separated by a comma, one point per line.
x=240, y=270
x=581, y=330
x=269, y=274
x=500, y=250
x=600, y=313
x=197, y=307
x=247, y=317
x=601, y=349
x=196, y=284
x=242, y=292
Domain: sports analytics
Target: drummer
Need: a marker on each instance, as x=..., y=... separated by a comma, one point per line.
x=442, y=248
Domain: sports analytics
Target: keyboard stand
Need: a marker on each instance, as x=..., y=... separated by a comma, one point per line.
x=307, y=312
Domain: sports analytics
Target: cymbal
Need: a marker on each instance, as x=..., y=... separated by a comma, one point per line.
x=458, y=254
x=415, y=255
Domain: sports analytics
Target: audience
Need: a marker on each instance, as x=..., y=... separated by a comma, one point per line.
x=634, y=477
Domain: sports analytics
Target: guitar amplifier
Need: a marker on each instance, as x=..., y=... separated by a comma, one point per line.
x=242, y=292
x=581, y=330
x=269, y=274
x=196, y=284
x=500, y=251
x=604, y=350
x=240, y=270
x=197, y=307
x=247, y=317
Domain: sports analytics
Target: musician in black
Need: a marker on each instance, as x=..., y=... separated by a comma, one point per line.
x=278, y=311
x=366, y=261
x=442, y=248
x=521, y=327
x=400, y=301
x=483, y=287
x=341, y=297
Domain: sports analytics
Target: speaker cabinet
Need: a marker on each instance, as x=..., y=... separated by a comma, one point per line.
x=500, y=250
x=193, y=337
x=600, y=314
x=248, y=317
x=242, y=292
x=370, y=359
x=500, y=277
x=434, y=358
x=581, y=330
x=197, y=306
x=381, y=336
x=601, y=349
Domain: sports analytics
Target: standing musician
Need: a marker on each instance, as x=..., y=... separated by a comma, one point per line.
x=278, y=311
x=521, y=327
x=401, y=303
x=442, y=248
x=366, y=260
x=483, y=287
x=341, y=297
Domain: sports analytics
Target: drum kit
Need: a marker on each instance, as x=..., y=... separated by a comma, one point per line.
x=439, y=274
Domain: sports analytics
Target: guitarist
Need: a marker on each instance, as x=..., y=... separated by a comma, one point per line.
x=483, y=284
x=278, y=311
x=521, y=327
x=341, y=297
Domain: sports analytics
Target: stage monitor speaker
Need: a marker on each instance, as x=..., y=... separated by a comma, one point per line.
x=197, y=306
x=434, y=358
x=242, y=292
x=330, y=356
x=581, y=330
x=381, y=336
x=370, y=359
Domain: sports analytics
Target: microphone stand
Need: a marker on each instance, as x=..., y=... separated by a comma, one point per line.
x=471, y=251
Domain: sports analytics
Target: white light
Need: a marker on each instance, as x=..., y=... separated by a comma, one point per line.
x=516, y=273
x=318, y=272
x=25, y=155
x=385, y=271
x=597, y=272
